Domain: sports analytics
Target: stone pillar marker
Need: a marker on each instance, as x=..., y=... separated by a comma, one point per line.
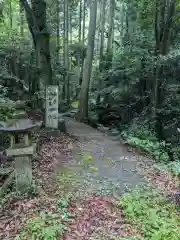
x=51, y=120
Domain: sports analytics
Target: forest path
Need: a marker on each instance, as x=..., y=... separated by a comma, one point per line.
x=117, y=165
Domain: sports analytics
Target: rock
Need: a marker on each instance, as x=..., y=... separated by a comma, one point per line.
x=51, y=133
x=103, y=129
x=75, y=110
x=62, y=126
x=114, y=132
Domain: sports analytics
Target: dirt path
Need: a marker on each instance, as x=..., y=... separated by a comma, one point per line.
x=116, y=166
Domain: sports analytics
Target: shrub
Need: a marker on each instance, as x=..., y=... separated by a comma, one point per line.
x=150, y=211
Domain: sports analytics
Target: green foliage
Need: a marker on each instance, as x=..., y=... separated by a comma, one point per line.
x=137, y=237
x=148, y=210
x=154, y=148
x=173, y=167
x=46, y=226
x=6, y=109
x=6, y=113
x=62, y=205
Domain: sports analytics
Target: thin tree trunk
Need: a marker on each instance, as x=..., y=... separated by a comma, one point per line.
x=10, y=14
x=83, y=101
x=79, y=39
x=21, y=19
x=110, y=33
x=66, y=55
x=101, y=55
x=57, y=30
x=102, y=34
x=83, y=39
x=84, y=21
x=80, y=21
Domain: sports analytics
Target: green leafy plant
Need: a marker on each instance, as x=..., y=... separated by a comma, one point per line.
x=129, y=238
x=46, y=226
x=150, y=211
x=62, y=205
x=154, y=148
x=6, y=112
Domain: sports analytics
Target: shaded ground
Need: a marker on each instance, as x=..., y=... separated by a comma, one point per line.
x=64, y=165
x=115, y=166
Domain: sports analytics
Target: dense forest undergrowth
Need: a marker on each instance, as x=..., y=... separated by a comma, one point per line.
x=116, y=66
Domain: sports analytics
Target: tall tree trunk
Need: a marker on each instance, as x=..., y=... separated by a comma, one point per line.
x=84, y=21
x=163, y=24
x=80, y=21
x=10, y=14
x=79, y=39
x=66, y=55
x=21, y=19
x=70, y=32
x=102, y=35
x=83, y=39
x=1, y=12
x=36, y=19
x=57, y=30
x=84, y=93
x=101, y=54
x=110, y=33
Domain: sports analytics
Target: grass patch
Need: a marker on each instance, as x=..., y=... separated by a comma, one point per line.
x=150, y=212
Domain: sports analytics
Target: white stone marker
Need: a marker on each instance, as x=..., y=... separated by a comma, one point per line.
x=51, y=107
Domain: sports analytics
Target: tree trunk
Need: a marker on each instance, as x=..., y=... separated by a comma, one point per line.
x=10, y=14
x=83, y=101
x=21, y=19
x=79, y=39
x=110, y=33
x=102, y=35
x=57, y=31
x=83, y=39
x=66, y=55
x=36, y=19
x=163, y=25
x=101, y=55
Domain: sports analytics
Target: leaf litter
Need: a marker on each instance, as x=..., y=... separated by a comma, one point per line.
x=95, y=217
